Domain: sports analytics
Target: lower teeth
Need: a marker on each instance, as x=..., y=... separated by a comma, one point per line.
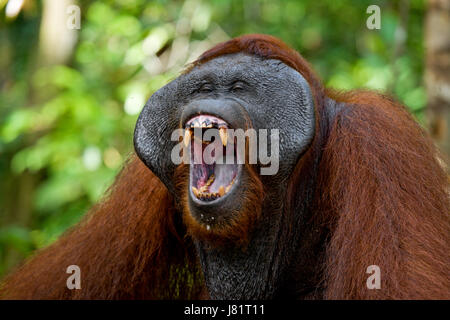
x=203, y=193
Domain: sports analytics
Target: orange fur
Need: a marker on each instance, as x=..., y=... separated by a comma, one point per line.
x=120, y=248
x=381, y=198
x=236, y=231
x=385, y=195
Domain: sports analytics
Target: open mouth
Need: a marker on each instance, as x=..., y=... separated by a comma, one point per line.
x=213, y=163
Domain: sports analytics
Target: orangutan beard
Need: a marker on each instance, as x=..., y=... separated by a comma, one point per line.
x=236, y=229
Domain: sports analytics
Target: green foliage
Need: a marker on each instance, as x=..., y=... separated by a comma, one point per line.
x=65, y=128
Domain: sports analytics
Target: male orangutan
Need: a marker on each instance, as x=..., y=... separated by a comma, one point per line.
x=359, y=184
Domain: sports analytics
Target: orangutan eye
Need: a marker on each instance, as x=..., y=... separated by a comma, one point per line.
x=206, y=88
x=238, y=86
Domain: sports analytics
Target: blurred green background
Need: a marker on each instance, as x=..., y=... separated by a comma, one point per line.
x=69, y=99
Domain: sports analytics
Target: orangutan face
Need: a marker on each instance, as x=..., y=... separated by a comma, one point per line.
x=220, y=108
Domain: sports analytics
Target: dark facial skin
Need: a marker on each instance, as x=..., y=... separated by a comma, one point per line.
x=246, y=92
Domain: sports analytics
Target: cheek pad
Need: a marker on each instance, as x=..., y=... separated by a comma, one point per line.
x=154, y=127
x=284, y=101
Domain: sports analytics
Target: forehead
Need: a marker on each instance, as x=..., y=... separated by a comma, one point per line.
x=240, y=65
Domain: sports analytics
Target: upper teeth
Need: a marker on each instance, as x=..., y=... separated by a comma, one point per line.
x=222, y=132
x=210, y=122
x=223, y=135
x=187, y=137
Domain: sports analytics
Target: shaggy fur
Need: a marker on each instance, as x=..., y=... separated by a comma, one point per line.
x=236, y=231
x=381, y=198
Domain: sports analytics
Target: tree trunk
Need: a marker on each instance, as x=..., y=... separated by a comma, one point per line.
x=437, y=73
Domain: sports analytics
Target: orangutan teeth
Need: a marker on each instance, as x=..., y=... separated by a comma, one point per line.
x=206, y=196
x=203, y=192
x=223, y=136
x=195, y=124
x=207, y=124
x=221, y=191
x=195, y=191
x=187, y=137
x=205, y=121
